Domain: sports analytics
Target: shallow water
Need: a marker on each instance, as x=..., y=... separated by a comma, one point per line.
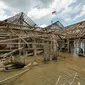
x=47, y=74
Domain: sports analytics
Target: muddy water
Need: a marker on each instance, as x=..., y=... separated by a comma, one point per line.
x=47, y=74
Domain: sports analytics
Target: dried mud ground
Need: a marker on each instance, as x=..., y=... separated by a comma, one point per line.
x=48, y=74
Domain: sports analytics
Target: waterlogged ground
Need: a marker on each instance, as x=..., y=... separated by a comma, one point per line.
x=48, y=74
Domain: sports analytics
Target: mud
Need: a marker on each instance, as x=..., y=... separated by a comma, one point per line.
x=47, y=74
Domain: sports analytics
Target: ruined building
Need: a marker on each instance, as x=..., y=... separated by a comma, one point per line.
x=20, y=36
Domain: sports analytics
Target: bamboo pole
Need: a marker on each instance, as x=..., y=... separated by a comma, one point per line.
x=58, y=80
x=73, y=79
x=2, y=81
x=7, y=54
x=68, y=45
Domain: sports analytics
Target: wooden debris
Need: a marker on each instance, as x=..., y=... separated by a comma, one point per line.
x=79, y=83
x=35, y=63
x=58, y=80
x=2, y=81
x=73, y=79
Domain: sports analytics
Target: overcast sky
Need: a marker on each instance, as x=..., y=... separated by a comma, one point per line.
x=67, y=11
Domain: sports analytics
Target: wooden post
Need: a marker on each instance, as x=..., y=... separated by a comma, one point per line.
x=46, y=52
x=68, y=46
x=51, y=45
x=79, y=43
x=34, y=47
x=51, y=49
x=11, y=49
x=24, y=53
x=54, y=44
x=24, y=50
x=19, y=46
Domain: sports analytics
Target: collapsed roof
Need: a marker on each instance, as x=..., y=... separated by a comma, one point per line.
x=21, y=19
x=76, y=30
x=72, y=31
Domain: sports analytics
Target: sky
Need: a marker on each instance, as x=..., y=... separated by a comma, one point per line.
x=40, y=11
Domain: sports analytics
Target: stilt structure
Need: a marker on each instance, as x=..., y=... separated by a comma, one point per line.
x=20, y=36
